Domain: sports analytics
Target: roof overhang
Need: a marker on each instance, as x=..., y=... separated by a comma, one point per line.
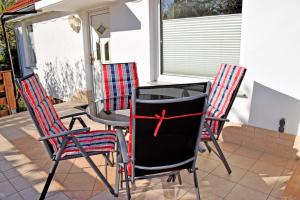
x=70, y=5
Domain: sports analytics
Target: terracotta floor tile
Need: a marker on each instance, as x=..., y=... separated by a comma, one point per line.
x=206, y=164
x=292, y=164
x=11, y=173
x=107, y=196
x=15, y=196
x=6, y=189
x=79, y=195
x=29, y=193
x=170, y=190
x=235, y=176
x=54, y=188
x=223, y=186
x=273, y=198
x=275, y=160
x=249, y=153
x=281, y=184
x=60, y=177
x=190, y=195
x=229, y=147
x=79, y=181
x=2, y=177
x=240, y=161
x=28, y=167
x=264, y=168
x=17, y=160
x=35, y=177
x=20, y=183
x=213, y=156
x=262, y=183
x=5, y=165
x=243, y=193
x=58, y=196
x=188, y=178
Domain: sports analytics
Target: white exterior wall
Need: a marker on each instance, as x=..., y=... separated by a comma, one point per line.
x=130, y=39
x=270, y=45
x=63, y=54
x=270, y=51
x=60, y=57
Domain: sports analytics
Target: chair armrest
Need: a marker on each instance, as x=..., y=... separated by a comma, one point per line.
x=122, y=146
x=217, y=119
x=73, y=115
x=65, y=133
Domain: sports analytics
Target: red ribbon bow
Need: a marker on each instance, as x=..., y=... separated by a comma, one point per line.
x=163, y=117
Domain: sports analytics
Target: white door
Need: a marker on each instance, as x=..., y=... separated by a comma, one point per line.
x=100, y=46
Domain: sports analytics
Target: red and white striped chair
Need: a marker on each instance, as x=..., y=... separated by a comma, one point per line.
x=222, y=95
x=62, y=143
x=118, y=82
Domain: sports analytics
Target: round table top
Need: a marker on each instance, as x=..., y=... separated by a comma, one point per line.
x=118, y=118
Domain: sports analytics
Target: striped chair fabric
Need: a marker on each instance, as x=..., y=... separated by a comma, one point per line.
x=118, y=81
x=223, y=87
x=50, y=123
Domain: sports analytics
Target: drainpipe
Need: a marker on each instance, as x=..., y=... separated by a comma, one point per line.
x=3, y=21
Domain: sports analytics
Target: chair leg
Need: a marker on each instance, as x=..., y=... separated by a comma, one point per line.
x=117, y=180
x=49, y=179
x=72, y=123
x=92, y=164
x=127, y=182
x=207, y=146
x=220, y=152
x=179, y=178
x=53, y=168
x=83, y=124
x=196, y=185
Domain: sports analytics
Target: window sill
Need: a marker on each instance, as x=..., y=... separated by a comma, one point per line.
x=182, y=79
x=31, y=67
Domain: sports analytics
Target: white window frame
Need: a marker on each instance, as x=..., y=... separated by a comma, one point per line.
x=28, y=59
x=155, y=52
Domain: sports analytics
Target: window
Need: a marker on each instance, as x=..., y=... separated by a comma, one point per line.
x=198, y=35
x=31, y=57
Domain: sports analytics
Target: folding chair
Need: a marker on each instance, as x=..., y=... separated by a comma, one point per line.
x=164, y=137
x=222, y=95
x=60, y=142
x=118, y=81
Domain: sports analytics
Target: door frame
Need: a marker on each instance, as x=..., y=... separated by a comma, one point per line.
x=90, y=13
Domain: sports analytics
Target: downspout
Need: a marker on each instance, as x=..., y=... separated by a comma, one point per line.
x=8, y=46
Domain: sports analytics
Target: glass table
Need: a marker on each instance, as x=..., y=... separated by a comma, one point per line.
x=120, y=118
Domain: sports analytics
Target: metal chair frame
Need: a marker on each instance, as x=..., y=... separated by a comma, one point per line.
x=67, y=136
x=215, y=136
x=124, y=160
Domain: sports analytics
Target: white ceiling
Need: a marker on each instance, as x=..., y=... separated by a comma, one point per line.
x=70, y=5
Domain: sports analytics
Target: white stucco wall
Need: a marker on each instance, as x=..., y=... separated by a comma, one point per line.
x=63, y=54
x=130, y=35
x=270, y=51
x=60, y=57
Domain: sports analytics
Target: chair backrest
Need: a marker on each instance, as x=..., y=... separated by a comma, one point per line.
x=223, y=92
x=41, y=110
x=118, y=81
x=165, y=132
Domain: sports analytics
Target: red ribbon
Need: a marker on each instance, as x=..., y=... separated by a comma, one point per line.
x=163, y=117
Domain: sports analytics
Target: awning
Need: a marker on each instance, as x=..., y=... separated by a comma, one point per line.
x=70, y=5
x=23, y=5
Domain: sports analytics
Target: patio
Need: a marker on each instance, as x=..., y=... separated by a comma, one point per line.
x=266, y=170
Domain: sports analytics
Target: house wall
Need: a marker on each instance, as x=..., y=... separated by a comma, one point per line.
x=270, y=51
x=130, y=39
x=63, y=61
x=60, y=58
x=270, y=45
